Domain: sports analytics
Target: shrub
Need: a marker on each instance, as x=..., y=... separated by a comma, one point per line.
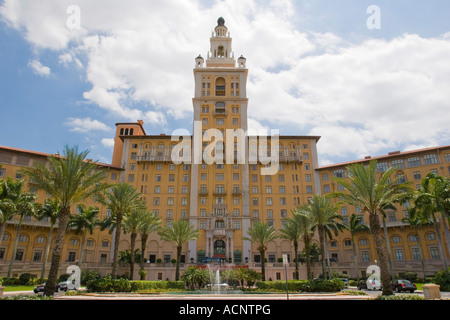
x=139, y=285
x=315, y=285
x=88, y=275
x=401, y=297
x=442, y=278
x=27, y=297
x=26, y=278
x=108, y=284
x=411, y=276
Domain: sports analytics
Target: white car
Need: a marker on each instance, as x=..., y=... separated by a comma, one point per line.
x=373, y=284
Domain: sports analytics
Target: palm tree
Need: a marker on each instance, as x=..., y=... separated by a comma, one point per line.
x=415, y=221
x=149, y=223
x=6, y=207
x=292, y=232
x=20, y=203
x=324, y=216
x=50, y=210
x=431, y=198
x=373, y=195
x=70, y=179
x=178, y=233
x=261, y=234
x=139, y=222
x=86, y=220
x=355, y=225
x=122, y=199
x=305, y=223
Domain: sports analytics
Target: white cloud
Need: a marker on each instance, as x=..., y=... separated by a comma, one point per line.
x=360, y=98
x=109, y=143
x=83, y=125
x=39, y=69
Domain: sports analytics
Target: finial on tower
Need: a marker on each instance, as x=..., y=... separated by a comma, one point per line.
x=221, y=21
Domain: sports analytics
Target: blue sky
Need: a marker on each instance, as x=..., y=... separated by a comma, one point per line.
x=364, y=91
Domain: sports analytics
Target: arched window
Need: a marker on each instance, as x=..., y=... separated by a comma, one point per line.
x=220, y=51
x=220, y=86
x=121, y=131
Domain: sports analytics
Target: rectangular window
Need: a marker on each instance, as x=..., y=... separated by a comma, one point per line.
x=382, y=166
x=413, y=162
x=398, y=253
x=430, y=159
x=399, y=164
x=339, y=173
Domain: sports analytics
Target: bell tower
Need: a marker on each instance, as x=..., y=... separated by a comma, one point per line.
x=221, y=53
x=220, y=103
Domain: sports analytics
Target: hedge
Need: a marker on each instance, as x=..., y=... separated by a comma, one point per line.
x=315, y=285
x=155, y=285
x=107, y=284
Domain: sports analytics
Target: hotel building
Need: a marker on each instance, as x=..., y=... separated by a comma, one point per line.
x=222, y=180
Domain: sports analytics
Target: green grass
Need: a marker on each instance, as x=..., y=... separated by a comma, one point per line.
x=419, y=285
x=19, y=288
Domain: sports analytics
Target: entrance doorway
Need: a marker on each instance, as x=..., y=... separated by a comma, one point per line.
x=219, y=248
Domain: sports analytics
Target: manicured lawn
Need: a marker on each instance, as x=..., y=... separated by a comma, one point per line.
x=18, y=288
x=419, y=285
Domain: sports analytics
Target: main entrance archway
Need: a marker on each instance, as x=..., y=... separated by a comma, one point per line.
x=219, y=248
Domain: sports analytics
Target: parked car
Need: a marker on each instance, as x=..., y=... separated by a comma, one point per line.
x=400, y=285
x=345, y=281
x=62, y=286
x=369, y=284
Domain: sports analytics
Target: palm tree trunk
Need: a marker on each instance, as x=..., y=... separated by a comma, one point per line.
x=50, y=286
x=355, y=257
x=2, y=231
x=177, y=268
x=446, y=231
x=322, y=249
x=421, y=254
x=144, y=238
x=133, y=245
x=47, y=250
x=440, y=243
x=384, y=269
x=16, y=242
x=263, y=264
x=297, y=276
x=116, y=245
x=308, y=257
x=388, y=248
x=82, y=253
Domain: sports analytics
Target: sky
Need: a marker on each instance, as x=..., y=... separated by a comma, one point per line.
x=368, y=77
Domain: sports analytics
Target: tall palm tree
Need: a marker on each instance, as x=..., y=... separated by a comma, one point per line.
x=305, y=223
x=374, y=195
x=324, y=215
x=355, y=225
x=20, y=203
x=131, y=224
x=50, y=210
x=149, y=223
x=432, y=198
x=82, y=222
x=261, y=234
x=415, y=221
x=6, y=207
x=292, y=232
x=70, y=179
x=178, y=233
x=121, y=199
